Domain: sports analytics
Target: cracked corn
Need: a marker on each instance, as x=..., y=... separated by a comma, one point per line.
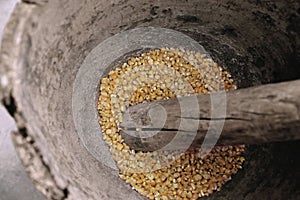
x=162, y=74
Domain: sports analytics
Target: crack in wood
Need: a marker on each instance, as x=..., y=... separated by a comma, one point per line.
x=151, y=129
x=215, y=118
x=257, y=113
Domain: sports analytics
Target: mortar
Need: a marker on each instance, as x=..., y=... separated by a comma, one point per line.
x=45, y=44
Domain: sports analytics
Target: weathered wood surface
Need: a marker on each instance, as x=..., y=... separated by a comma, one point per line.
x=256, y=115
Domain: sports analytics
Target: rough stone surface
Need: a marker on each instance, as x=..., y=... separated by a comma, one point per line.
x=36, y=168
x=45, y=44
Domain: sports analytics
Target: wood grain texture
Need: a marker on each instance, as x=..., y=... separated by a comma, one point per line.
x=256, y=115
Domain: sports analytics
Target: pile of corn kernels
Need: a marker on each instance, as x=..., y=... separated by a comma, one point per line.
x=162, y=74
